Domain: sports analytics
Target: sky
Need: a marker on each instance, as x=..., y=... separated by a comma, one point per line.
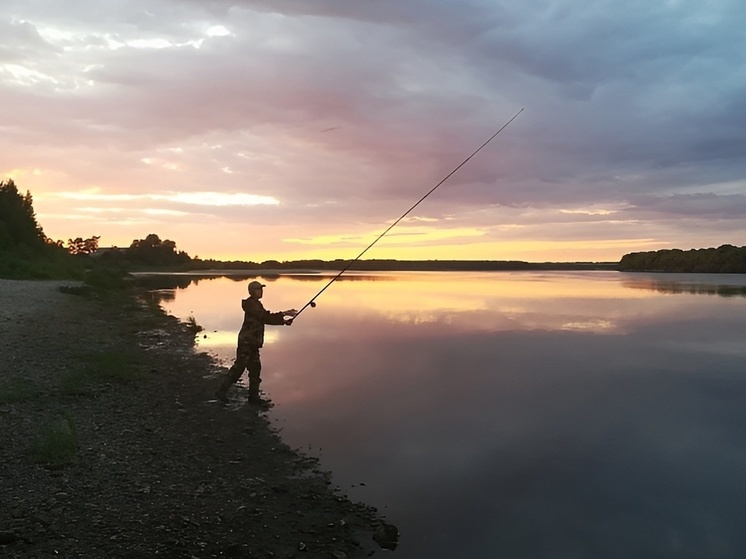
x=292, y=129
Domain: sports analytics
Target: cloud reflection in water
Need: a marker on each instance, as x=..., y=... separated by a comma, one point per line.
x=489, y=417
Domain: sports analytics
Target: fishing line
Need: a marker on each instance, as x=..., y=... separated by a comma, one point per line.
x=312, y=302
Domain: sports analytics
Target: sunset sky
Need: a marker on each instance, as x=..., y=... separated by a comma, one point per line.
x=286, y=129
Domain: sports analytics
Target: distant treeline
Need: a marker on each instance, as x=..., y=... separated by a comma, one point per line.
x=401, y=265
x=726, y=259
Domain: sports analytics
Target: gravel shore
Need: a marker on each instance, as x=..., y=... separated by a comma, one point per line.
x=159, y=468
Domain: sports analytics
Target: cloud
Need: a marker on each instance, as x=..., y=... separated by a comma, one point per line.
x=190, y=198
x=703, y=206
x=405, y=235
x=21, y=41
x=348, y=112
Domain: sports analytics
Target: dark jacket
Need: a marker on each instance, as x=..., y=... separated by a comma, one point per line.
x=255, y=317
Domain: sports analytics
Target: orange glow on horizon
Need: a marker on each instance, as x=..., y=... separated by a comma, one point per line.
x=528, y=251
x=206, y=236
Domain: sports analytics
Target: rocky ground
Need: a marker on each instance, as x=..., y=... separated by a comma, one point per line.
x=111, y=445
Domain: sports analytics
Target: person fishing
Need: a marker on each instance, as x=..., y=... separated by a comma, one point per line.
x=250, y=340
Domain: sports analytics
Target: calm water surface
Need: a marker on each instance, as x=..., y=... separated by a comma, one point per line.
x=517, y=415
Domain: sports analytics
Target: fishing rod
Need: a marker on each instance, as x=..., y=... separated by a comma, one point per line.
x=312, y=302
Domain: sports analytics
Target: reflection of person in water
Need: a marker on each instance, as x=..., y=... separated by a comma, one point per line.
x=250, y=339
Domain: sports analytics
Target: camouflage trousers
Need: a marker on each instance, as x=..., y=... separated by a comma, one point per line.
x=247, y=357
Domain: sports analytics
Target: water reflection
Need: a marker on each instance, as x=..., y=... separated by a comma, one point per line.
x=515, y=414
x=162, y=286
x=695, y=284
x=491, y=302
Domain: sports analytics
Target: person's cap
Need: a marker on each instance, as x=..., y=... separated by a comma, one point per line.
x=255, y=285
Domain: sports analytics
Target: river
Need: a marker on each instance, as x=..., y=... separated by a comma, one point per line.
x=512, y=414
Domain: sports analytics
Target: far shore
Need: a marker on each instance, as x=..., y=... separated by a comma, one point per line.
x=375, y=267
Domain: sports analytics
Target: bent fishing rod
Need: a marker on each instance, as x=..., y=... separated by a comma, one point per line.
x=312, y=302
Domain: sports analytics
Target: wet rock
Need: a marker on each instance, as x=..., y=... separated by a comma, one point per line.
x=387, y=536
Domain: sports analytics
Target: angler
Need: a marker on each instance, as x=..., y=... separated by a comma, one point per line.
x=250, y=341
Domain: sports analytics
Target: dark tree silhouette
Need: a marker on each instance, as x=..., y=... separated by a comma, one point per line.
x=18, y=226
x=726, y=259
x=82, y=246
x=25, y=251
x=152, y=251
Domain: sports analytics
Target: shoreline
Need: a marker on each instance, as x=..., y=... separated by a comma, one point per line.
x=371, y=267
x=158, y=467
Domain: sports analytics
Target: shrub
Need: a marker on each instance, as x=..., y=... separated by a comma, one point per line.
x=104, y=277
x=106, y=366
x=16, y=389
x=57, y=442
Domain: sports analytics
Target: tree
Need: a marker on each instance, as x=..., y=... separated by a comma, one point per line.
x=18, y=225
x=83, y=246
x=25, y=251
x=154, y=252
